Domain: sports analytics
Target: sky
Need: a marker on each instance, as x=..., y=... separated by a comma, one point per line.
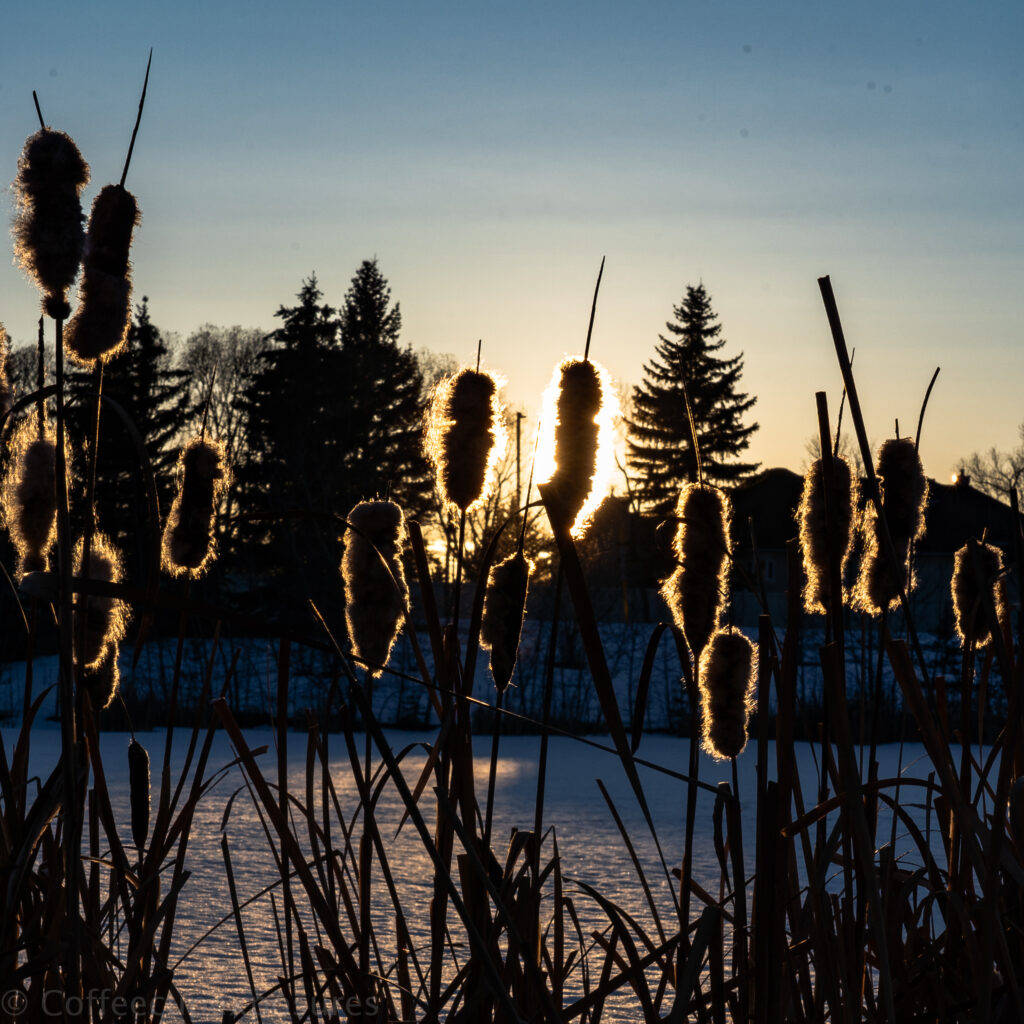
x=490, y=154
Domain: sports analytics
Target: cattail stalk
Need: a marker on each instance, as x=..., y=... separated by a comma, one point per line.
x=188, y=541
x=904, y=492
x=376, y=593
x=813, y=528
x=968, y=609
x=728, y=683
x=698, y=589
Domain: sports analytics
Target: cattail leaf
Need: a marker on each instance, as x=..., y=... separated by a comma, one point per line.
x=139, y=786
x=644, y=685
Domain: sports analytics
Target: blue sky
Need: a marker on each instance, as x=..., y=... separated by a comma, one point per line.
x=490, y=154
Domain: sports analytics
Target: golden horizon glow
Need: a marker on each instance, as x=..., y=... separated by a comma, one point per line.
x=604, y=466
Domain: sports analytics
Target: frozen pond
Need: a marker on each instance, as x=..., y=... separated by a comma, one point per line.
x=212, y=977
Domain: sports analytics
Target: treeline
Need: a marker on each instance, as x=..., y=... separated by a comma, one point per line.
x=320, y=413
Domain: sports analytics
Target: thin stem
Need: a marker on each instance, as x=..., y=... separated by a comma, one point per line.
x=593, y=310
x=842, y=405
x=35, y=100
x=693, y=435
x=493, y=770
x=41, y=380
x=529, y=488
x=479, y=346
x=138, y=119
x=924, y=405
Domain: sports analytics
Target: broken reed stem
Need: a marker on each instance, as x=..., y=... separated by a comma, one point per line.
x=593, y=310
x=138, y=119
x=924, y=405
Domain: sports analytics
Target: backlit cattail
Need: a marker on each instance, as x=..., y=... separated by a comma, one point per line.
x=966, y=595
x=30, y=495
x=813, y=528
x=138, y=790
x=904, y=494
x=5, y=384
x=188, y=544
x=106, y=618
x=504, y=610
x=698, y=589
x=575, y=455
x=727, y=689
x=465, y=436
x=103, y=680
x=99, y=328
x=376, y=594
x=48, y=233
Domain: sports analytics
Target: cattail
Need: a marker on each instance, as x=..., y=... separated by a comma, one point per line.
x=504, y=610
x=138, y=788
x=575, y=456
x=48, y=233
x=102, y=682
x=465, y=436
x=698, y=589
x=813, y=528
x=30, y=495
x=99, y=328
x=188, y=543
x=376, y=594
x=1016, y=802
x=5, y=384
x=904, y=491
x=727, y=689
x=967, y=596
x=106, y=618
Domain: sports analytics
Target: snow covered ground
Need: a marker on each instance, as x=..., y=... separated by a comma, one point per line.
x=212, y=977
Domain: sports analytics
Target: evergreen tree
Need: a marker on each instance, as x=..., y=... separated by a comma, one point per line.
x=332, y=415
x=660, y=450
x=144, y=383
x=383, y=417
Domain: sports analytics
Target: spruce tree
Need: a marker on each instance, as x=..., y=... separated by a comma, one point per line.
x=660, y=450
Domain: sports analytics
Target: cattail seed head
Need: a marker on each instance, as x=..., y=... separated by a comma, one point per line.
x=575, y=456
x=30, y=495
x=966, y=595
x=813, y=528
x=376, y=594
x=904, y=490
x=48, y=235
x=465, y=436
x=504, y=611
x=728, y=685
x=698, y=589
x=138, y=790
x=106, y=618
x=102, y=682
x=99, y=328
x=188, y=542
x=5, y=385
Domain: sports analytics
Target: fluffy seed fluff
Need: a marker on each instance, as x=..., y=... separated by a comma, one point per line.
x=727, y=689
x=904, y=495
x=966, y=594
x=504, y=611
x=5, y=384
x=30, y=495
x=103, y=681
x=99, y=328
x=376, y=594
x=576, y=433
x=813, y=530
x=697, y=590
x=188, y=543
x=138, y=790
x=48, y=235
x=465, y=436
x=106, y=618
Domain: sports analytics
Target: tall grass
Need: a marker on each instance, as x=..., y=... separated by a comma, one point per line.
x=832, y=923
